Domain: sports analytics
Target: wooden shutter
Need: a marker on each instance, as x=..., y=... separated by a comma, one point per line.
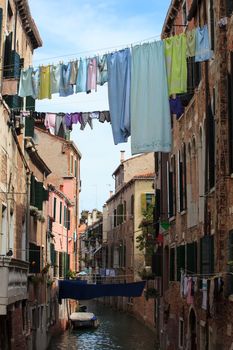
x=39, y=195
x=30, y=103
x=157, y=262
x=7, y=55
x=52, y=254
x=45, y=195
x=60, y=264
x=143, y=202
x=68, y=219
x=65, y=217
x=60, y=213
x=172, y=264
x=54, y=208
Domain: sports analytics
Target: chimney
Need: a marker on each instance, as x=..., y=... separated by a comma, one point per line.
x=122, y=156
x=110, y=194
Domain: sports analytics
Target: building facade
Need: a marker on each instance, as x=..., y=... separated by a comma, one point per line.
x=195, y=186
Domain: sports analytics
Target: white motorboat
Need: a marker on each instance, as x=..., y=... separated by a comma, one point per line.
x=83, y=319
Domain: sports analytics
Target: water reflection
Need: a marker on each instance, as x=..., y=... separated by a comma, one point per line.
x=116, y=331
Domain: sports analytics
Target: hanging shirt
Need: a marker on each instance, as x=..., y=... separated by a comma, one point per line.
x=85, y=118
x=65, y=88
x=203, y=51
x=176, y=106
x=44, y=87
x=76, y=118
x=190, y=292
x=175, y=54
x=191, y=42
x=68, y=120
x=55, y=75
x=104, y=116
x=102, y=70
x=119, y=67
x=60, y=126
x=50, y=122
x=81, y=83
x=204, y=294
x=94, y=115
x=151, y=121
x=91, y=74
x=25, y=83
x=73, y=72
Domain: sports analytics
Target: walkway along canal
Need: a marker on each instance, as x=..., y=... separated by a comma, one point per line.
x=117, y=330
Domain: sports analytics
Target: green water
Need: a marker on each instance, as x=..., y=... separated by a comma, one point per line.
x=117, y=330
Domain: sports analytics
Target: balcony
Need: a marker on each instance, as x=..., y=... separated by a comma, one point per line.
x=13, y=277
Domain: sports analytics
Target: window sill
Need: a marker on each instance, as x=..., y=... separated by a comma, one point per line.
x=183, y=212
x=172, y=218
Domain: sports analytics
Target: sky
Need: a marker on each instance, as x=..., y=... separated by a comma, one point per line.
x=71, y=29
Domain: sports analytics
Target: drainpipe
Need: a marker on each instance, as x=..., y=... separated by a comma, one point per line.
x=28, y=181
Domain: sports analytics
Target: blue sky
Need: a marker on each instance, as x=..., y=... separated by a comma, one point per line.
x=81, y=28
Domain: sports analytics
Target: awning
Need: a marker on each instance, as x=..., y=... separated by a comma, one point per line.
x=72, y=289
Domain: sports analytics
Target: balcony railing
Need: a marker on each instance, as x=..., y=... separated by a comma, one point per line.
x=13, y=286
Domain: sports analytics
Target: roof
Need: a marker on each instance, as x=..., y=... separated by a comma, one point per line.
x=127, y=160
x=28, y=23
x=147, y=177
x=171, y=15
x=70, y=143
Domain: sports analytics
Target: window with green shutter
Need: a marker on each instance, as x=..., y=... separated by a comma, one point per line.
x=7, y=55
x=124, y=214
x=52, y=254
x=68, y=219
x=39, y=191
x=172, y=264
x=45, y=195
x=120, y=213
x=65, y=218
x=60, y=214
x=60, y=264
x=180, y=260
x=192, y=257
x=157, y=262
x=30, y=103
x=147, y=199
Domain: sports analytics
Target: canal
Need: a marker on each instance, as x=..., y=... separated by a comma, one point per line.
x=117, y=330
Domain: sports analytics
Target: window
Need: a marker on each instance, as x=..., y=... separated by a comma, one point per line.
x=181, y=174
x=171, y=185
x=207, y=254
x=180, y=260
x=132, y=205
x=54, y=208
x=229, y=7
x=65, y=218
x=192, y=257
x=184, y=12
x=71, y=164
x=230, y=112
x=75, y=168
x=120, y=211
x=211, y=23
x=114, y=218
x=211, y=147
x=60, y=215
x=147, y=199
x=34, y=258
x=181, y=333
x=124, y=214
x=194, y=74
x=172, y=264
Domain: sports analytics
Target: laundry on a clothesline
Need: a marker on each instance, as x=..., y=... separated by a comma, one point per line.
x=60, y=124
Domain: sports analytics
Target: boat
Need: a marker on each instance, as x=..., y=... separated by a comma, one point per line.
x=83, y=319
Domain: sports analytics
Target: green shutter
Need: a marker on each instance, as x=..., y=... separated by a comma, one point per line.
x=68, y=219
x=29, y=127
x=7, y=55
x=207, y=254
x=172, y=264
x=30, y=103
x=45, y=195
x=34, y=258
x=39, y=195
x=65, y=218
x=60, y=214
x=32, y=190
x=157, y=262
x=60, y=264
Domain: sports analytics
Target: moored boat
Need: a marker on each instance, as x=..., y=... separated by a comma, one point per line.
x=83, y=319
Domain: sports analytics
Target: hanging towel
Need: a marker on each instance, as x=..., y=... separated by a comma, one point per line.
x=102, y=70
x=65, y=88
x=176, y=64
x=119, y=66
x=44, y=89
x=36, y=83
x=203, y=51
x=91, y=74
x=151, y=121
x=81, y=83
x=55, y=75
x=73, y=72
x=25, y=83
x=50, y=122
x=191, y=42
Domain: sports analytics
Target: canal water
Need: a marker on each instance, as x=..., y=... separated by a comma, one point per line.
x=117, y=330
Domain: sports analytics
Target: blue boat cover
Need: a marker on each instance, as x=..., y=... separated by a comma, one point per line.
x=72, y=289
